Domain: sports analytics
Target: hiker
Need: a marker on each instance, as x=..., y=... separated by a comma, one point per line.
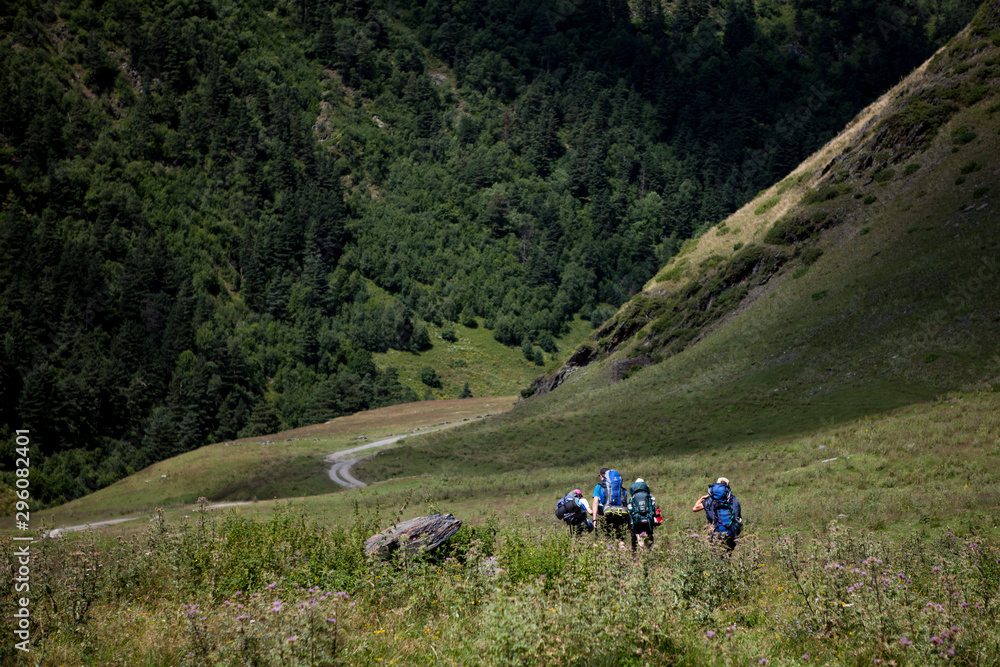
x=722, y=510
x=642, y=511
x=574, y=510
x=610, y=502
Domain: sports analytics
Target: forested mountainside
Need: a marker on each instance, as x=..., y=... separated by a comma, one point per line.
x=214, y=213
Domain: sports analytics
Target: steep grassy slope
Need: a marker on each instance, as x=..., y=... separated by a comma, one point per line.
x=864, y=281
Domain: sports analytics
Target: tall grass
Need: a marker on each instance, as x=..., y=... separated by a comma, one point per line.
x=286, y=591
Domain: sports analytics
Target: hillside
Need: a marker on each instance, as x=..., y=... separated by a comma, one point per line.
x=226, y=219
x=862, y=282
x=831, y=348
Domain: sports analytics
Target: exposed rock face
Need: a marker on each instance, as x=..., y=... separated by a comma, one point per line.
x=414, y=536
x=546, y=383
x=619, y=368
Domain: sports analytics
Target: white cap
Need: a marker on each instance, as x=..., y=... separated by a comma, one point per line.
x=722, y=480
x=639, y=480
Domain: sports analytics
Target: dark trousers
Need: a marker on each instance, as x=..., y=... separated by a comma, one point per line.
x=615, y=526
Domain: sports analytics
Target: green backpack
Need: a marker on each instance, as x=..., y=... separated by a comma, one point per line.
x=641, y=508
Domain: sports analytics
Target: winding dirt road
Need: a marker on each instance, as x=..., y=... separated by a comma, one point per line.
x=340, y=471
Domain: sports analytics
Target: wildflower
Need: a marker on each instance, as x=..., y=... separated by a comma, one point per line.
x=935, y=569
x=242, y=618
x=935, y=640
x=694, y=534
x=331, y=620
x=276, y=605
x=293, y=638
x=271, y=585
x=905, y=642
x=709, y=634
x=805, y=656
x=762, y=661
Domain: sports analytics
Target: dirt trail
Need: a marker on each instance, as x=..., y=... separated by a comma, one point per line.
x=340, y=473
x=56, y=532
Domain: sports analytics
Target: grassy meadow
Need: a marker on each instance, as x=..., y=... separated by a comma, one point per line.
x=870, y=540
x=490, y=369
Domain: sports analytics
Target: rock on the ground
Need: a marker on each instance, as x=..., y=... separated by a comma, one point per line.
x=421, y=534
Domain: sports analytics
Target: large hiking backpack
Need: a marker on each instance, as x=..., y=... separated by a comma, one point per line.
x=641, y=508
x=565, y=506
x=615, y=498
x=726, y=519
x=569, y=510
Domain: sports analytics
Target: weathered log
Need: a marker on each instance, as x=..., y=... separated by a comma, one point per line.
x=424, y=533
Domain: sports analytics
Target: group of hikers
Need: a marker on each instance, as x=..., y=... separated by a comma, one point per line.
x=617, y=512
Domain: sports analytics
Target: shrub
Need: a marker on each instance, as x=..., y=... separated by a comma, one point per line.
x=767, y=205
x=811, y=255
x=430, y=377
x=971, y=167
x=963, y=135
x=448, y=334
x=911, y=168
x=825, y=193
x=884, y=175
x=980, y=192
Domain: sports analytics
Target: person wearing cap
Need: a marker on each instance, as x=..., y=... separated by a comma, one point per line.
x=722, y=510
x=575, y=512
x=610, y=502
x=642, y=511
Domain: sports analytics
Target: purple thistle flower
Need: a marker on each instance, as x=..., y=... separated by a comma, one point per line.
x=709, y=634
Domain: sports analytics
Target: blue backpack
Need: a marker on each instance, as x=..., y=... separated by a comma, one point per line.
x=727, y=519
x=615, y=498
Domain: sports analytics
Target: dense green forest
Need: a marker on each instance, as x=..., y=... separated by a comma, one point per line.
x=213, y=214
